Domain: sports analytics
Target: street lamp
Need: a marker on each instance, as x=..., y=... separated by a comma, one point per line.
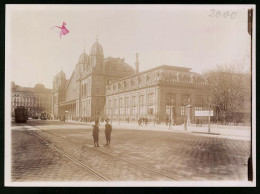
x=185, y=120
x=65, y=114
x=209, y=104
x=209, y=119
x=187, y=105
x=171, y=113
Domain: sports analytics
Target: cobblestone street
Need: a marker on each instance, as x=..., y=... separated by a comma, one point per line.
x=134, y=155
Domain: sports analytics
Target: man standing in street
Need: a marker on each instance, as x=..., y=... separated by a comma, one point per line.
x=108, y=130
x=96, y=134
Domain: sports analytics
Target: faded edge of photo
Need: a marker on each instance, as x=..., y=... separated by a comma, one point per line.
x=7, y=167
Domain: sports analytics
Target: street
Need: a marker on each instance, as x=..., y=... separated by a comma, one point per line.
x=58, y=151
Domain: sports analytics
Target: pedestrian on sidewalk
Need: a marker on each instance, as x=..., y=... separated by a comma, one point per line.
x=197, y=122
x=96, y=134
x=140, y=122
x=108, y=130
x=167, y=120
x=146, y=121
x=201, y=123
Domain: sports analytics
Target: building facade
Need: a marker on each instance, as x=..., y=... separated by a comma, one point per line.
x=82, y=96
x=36, y=100
x=159, y=94
x=110, y=88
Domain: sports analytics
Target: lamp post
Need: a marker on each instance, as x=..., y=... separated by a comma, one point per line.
x=66, y=115
x=171, y=113
x=209, y=104
x=209, y=119
x=187, y=119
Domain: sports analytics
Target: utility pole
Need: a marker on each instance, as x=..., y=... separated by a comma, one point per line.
x=186, y=104
x=171, y=113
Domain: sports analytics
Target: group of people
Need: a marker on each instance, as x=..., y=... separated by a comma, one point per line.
x=108, y=130
x=142, y=120
x=198, y=123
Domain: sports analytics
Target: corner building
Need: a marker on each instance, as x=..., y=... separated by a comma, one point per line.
x=158, y=94
x=110, y=88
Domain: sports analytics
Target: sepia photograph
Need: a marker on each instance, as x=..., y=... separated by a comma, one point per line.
x=130, y=95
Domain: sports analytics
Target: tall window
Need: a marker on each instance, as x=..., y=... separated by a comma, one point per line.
x=127, y=111
x=134, y=110
x=141, y=99
x=142, y=110
x=182, y=110
x=127, y=102
x=198, y=108
x=81, y=92
x=121, y=111
x=150, y=110
x=85, y=90
x=168, y=110
x=134, y=101
x=121, y=102
x=115, y=103
x=150, y=98
x=110, y=104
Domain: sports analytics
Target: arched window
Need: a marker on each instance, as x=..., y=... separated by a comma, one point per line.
x=150, y=98
x=134, y=101
x=141, y=99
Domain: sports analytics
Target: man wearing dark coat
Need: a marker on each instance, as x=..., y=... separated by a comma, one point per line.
x=96, y=134
x=108, y=130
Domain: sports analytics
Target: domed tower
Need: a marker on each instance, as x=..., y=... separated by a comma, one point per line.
x=83, y=62
x=96, y=55
x=59, y=81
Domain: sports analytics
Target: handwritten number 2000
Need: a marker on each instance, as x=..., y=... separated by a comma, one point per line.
x=225, y=14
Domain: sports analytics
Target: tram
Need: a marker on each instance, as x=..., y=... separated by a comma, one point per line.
x=21, y=114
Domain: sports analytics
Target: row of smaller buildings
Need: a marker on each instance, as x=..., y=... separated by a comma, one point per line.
x=36, y=100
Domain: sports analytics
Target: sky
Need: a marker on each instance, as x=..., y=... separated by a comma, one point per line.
x=198, y=37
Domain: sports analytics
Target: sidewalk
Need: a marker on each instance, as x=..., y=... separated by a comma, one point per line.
x=220, y=131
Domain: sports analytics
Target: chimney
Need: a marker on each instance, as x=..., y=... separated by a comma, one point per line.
x=136, y=65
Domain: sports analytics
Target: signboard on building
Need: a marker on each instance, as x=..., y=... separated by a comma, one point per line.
x=203, y=113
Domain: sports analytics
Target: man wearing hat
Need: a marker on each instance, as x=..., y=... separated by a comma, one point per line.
x=96, y=134
x=108, y=130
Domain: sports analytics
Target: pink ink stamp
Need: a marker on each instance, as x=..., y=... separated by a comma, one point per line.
x=63, y=28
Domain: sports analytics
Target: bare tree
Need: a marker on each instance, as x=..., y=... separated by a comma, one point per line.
x=227, y=90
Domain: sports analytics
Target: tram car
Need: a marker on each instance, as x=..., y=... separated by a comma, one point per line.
x=21, y=114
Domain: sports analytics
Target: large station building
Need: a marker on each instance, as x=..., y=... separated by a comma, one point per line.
x=110, y=88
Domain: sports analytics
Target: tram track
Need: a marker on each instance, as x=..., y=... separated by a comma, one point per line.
x=141, y=167
x=73, y=159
